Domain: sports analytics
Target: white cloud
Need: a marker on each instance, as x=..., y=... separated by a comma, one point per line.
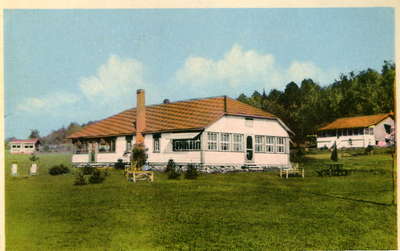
x=243, y=69
x=116, y=78
x=47, y=103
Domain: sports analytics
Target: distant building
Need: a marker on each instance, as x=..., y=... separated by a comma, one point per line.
x=24, y=146
x=209, y=132
x=361, y=131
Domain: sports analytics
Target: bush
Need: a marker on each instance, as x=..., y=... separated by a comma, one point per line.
x=87, y=170
x=297, y=155
x=33, y=157
x=97, y=177
x=170, y=165
x=58, y=170
x=139, y=156
x=334, y=155
x=369, y=149
x=80, y=179
x=119, y=165
x=191, y=172
x=172, y=171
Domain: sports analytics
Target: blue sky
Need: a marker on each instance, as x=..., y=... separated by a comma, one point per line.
x=80, y=65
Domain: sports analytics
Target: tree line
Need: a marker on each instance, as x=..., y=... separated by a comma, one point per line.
x=304, y=107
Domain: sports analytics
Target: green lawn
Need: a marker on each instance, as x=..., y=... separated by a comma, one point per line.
x=237, y=211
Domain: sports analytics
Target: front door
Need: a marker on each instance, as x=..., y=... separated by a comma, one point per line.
x=249, y=149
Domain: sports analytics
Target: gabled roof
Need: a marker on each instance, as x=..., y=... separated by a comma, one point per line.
x=24, y=141
x=194, y=114
x=353, y=122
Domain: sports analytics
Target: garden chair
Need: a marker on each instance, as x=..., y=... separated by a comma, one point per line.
x=294, y=169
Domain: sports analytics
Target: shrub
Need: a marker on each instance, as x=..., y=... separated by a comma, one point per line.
x=80, y=179
x=297, y=155
x=334, y=155
x=170, y=165
x=369, y=149
x=87, y=170
x=191, y=172
x=172, y=170
x=58, y=169
x=97, y=177
x=33, y=157
x=119, y=165
x=139, y=156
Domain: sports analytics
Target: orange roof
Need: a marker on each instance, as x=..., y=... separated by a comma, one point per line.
x=24, y=141
x=175, y=116
x=353, y=122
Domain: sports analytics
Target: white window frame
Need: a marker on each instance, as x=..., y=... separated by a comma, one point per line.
x=156, y=145
x=237, y=145
x=270, y=144
x=212, y=143
x=225, y=142
x=280, y=146
x=259, y=143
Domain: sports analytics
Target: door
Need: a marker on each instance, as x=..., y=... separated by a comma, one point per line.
x=249, y=149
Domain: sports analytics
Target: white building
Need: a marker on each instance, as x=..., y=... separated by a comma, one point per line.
x=209, y=132
x=361, y=131
x=24, y=146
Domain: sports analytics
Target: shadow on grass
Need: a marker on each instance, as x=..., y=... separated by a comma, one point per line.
x=352, y=199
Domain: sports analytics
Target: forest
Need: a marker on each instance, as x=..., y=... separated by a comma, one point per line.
x=304, y=107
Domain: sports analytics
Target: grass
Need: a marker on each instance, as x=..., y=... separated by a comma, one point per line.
x=237, y=211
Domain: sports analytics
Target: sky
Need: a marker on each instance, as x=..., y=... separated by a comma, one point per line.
x=64, y=66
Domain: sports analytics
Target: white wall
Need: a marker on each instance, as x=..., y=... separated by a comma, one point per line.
x=343, y=141
x=235, y=124
x=22, y=148
x=166, y=152
x=380, y=132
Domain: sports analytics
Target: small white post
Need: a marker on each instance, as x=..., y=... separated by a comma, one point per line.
x=14, y=169
x=33, y=170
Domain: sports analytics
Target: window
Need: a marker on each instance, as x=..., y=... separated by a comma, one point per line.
x=269, y=144
x=26, y=146
x=280, y=145
x=260, y=144
x=350, y=132
x=345, y=132
x=237, y=142
x=371, y=131
x=181, y=145
x=107, y=145
x=225, y=141
x=212, y=140
x=156, y=145
x=128, y=143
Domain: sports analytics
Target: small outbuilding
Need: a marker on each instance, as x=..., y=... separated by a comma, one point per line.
x=24, y=146
x=360, y=131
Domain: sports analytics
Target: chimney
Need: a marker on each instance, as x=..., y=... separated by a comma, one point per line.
x=140, y=116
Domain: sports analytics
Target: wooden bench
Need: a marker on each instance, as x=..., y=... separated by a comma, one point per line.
x=295, y=169
x=133, y=174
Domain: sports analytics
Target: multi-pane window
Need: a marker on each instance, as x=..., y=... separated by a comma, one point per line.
x=128, y=143
x=260, y=144
x=269, y=146
x=371, y=131
x=107, y=145
x=212, y=140
x=237, y=142
x=156, y=145
x=280, y=144
x=180, y=145
x=225, y=141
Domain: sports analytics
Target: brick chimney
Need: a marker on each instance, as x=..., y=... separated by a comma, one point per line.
x=140, y=116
